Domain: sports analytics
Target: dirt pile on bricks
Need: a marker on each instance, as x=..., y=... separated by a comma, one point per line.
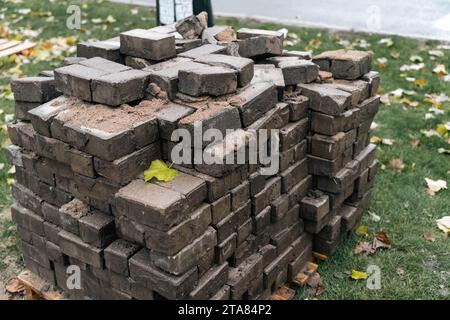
x=86, y=132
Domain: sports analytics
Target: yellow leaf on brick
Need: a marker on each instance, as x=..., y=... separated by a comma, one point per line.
x=159, y=170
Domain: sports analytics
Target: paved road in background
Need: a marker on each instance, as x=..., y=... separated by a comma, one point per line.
x=415, y=18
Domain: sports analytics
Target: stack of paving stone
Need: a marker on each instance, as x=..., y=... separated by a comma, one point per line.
x=217, y=231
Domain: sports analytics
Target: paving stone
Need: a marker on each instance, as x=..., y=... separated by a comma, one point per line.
x=165, y=74
x=81, y=163
x=225, y=249
x=244, y=231
x=306, y=55
x=119, y=88
x=325, y=98
x=107, y=49
x=293, y=133
x=151, y=204
x=331, y=125
x=188, y=257
x=299, y=71
x=130, y=230
x=71, y=213
x=315, y=207
x=180, y=236
x=260, y=45
x=298, y=107
x=117, y=255
x=73, y=246
x=373, y=78
x=243, y=66
x=254, y=101
x=204, y=50
x=345, y=64
x=299, y=191
x=127, y=168
x=97, y=229
x=268, y=73
x=293, y=175
x=75, y=80
x=245, y=33
x=261, y=221
x=332, y=230
x=324, y=167
x=210, y=283
x=147, y=44
x=218, y=34
x=21, y=109
x=27, y=219
x=169, y=286
x=42, y=116
x=169, y=117
x=34, y=89
x=279, y=208
x=191, y=27
x=27, y=198
x=240, y=278
x=369, y=108
x=212, y=81
x=359, y=89
x=183, y=45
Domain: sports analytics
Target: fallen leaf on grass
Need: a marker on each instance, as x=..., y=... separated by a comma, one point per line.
x=363, y=247
x=374, y=217
x=436, y=53
x=380, y=240
x=159, y=170
x=315, y=285
x=414, y=143
x=440, y=70
x=362, y=230
x=14, y=286
x=401, y=272
x=396, y=165
x=444, y=224
x=444, y=151
x=420, y=83
x=435, y=186
x=359, y=275
x=429, y=236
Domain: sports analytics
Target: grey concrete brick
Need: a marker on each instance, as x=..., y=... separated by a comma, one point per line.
x=261, y=221
x=268, y=73
x=293, y=133
x=359, y=89
x=210, y=283
x=75, y=247
x=315, y=207
x=226, y=249
x=203, y=50
x=107, y=49
x=293, y=175
x=299, y=71
x=71, y=213
x=117, y=255
x=97, y=229
x=325, y=98
x=27, y=219
x=21, y=109
x=331, y=125
x=298, y=107
x=168, y=119
x=130, y=230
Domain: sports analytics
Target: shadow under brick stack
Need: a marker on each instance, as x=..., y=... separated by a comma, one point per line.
x=85, y=133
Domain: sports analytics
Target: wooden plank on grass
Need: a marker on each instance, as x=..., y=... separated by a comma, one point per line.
x=8, y=44
x=17, y=49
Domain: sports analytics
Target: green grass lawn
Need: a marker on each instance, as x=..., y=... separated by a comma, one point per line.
x=412, y=268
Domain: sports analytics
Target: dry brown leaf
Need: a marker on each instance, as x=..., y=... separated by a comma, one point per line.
x=414, y=143
x=363, y=247
x=315, y=284
x=382, y=236
x=396, y=165
x=429, y=236
x=14, y=286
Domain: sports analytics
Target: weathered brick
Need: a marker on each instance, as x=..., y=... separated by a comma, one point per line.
x=151, y=204
x=332, y=230
x=239, y=278
x=324, y=167
x=299, y=191
x=104, y=65
x=70, y=214
x=299, y=71
x=34, y=89
x=243, y=66
x=21, y=109
x=314, y=227
x=278, y=265
x=283, y=239
x=225, y=249
x=299, y=263
x=293, y=133
x=261, y=221
x=315, y=207
x=221, y=208
x=228, y=225
x=27, y=219
x=254, y=101
x=298, y=107
x=345, y=64
x=279, y=208
x=203, y=50
x=75, y=247
x=268, y=73
x=119, y=88
x=130, y=230
x=210, y=283
x=168, y=119
x=359, y=89
x=147, y=44
x=27, y=198
x=192, y=26
x=107, y=49
x=293, y=175
x=180, y=236
x=328, y=147
x=222, y=294
x=325, y=98
x=117, y=255
x=75, y=80
x=97, y=229
x=373, y=78
x=369, y=108
x=169, y=286
x=240, y=195
x=212, y=81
